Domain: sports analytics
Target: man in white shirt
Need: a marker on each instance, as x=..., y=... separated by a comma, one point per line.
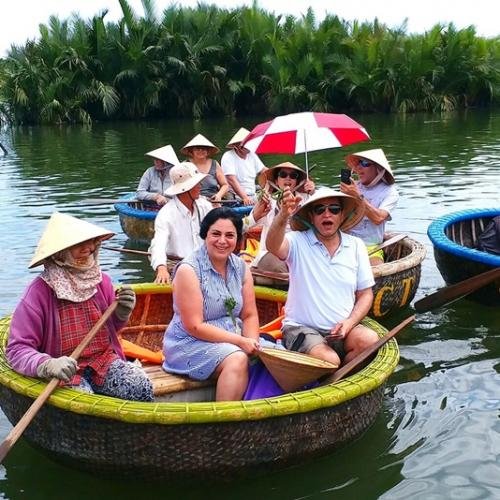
x=331, y=279
x=241, y=167
x=177, y=225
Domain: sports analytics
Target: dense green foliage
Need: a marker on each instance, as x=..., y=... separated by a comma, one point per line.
x=210, y=61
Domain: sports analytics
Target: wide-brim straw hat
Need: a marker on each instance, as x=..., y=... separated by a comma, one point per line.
x=353, y=209
x=165, y=153
x=184, y=177
x=63, y=231
x=376, y=156
x=268, y=174
x=202, y=141
x=293, y=370
x=238, y=138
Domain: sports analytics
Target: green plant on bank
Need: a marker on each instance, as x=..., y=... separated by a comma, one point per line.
x=204, y=61
x=230, y=304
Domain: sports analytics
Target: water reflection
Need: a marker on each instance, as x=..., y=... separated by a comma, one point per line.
x=437, y=435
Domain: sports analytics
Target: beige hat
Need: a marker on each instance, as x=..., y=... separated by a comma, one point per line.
x=376, y=156
x=353, y=209
x=293, y=370
x=63, y=231
x=184, y=177
x=237, y=138
x=269, y=174
x=199, y=140
x=166, y=153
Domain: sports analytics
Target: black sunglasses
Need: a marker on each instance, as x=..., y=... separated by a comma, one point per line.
x=365, y=163
x=332, y=208
x=293, y=175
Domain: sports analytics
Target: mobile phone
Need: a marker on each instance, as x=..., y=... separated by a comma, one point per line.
x=345, y=175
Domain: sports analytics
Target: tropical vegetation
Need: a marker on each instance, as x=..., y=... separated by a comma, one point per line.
x=203, y=61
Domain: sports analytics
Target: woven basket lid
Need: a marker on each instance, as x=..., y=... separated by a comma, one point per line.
x=202, y=141
x=293, y=370
x=63, y=231
x=165, y=153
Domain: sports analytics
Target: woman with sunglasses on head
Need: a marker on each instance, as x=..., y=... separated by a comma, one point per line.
x=59, y=308
x=331, y=280
x=376, y=190
x=273, y=181
x=199, y=150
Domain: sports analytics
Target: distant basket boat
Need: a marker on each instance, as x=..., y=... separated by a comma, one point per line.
x=137, y=218
x=175, y=439
x=396, y=280
x=455, y=238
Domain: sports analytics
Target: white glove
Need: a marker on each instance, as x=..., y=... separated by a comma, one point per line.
x=63, y=368
x=126, y=302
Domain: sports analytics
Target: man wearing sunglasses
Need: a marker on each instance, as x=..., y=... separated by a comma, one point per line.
x=375, y=188
x=331, y=280
x=273, y=181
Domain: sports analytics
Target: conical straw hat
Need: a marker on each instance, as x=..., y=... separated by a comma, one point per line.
x=268, y=174
x=292, y=370
x=166, y=153
x=238, y=137
x=353, y=209
x=376, y=156
x=200, y=140
x=63, y=231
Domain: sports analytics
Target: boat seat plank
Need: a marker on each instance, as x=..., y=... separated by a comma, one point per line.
x=168, y=383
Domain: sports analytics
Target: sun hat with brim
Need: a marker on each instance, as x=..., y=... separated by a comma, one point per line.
x=63, y=231
x=376, y=156
x=353, y=210
x=184, y=177
x=166, y=153
x=202, y=141
x=269, y=174
x=237, y=138
x=293, y=370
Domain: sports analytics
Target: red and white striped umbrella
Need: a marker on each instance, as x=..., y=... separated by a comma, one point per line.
x=303, y=132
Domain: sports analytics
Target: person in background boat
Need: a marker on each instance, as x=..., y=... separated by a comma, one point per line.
x=489, y=239
x=61, y=306
x=155, y=179
x=199, y=151
x=376, y=190
x=177, y=224
x=331, y=280
x=241, y=167
x=273, y=181
x=215, y=326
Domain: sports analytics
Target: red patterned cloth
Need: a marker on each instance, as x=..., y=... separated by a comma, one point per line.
x=76, y=320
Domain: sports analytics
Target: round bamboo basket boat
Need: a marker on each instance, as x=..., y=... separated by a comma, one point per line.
x=137, y=219
x=455, y=238
x=396, y=280
x=167, y=440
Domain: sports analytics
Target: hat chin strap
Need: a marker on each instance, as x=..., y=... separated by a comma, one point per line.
x=378, y=177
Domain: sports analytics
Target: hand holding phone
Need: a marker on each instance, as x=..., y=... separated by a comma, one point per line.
x=345, y=176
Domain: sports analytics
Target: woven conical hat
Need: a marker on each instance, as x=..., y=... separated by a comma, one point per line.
x=353, y=209
x=200, y=140
x=63, y=231
x=292, y=370
x=268, y=174
x=375, y=155
x=166, y=153
x=238, y=137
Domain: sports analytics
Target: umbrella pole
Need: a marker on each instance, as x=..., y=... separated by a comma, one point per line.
x=305, y=147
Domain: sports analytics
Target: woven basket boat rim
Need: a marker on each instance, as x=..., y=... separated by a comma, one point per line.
x=172, y=413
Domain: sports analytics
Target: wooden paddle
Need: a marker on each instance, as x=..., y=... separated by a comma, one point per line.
x=138, y=252
x=387, y=243
x=25, y=420
x=457, y=291
x=112, y=201
x=364, y=355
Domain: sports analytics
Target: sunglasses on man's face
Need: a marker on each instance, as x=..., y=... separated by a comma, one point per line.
x=293, y=175
x=365, y=163
x=332, y=208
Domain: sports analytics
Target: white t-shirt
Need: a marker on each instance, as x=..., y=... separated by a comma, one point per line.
x=322, y=287
x=382, y=196
x=245, y=170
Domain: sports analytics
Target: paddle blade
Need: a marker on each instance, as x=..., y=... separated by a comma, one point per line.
x=457, y=291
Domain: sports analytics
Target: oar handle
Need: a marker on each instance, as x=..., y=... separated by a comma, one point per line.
x=387, y=243
x=364, y=355
x=25, y=420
